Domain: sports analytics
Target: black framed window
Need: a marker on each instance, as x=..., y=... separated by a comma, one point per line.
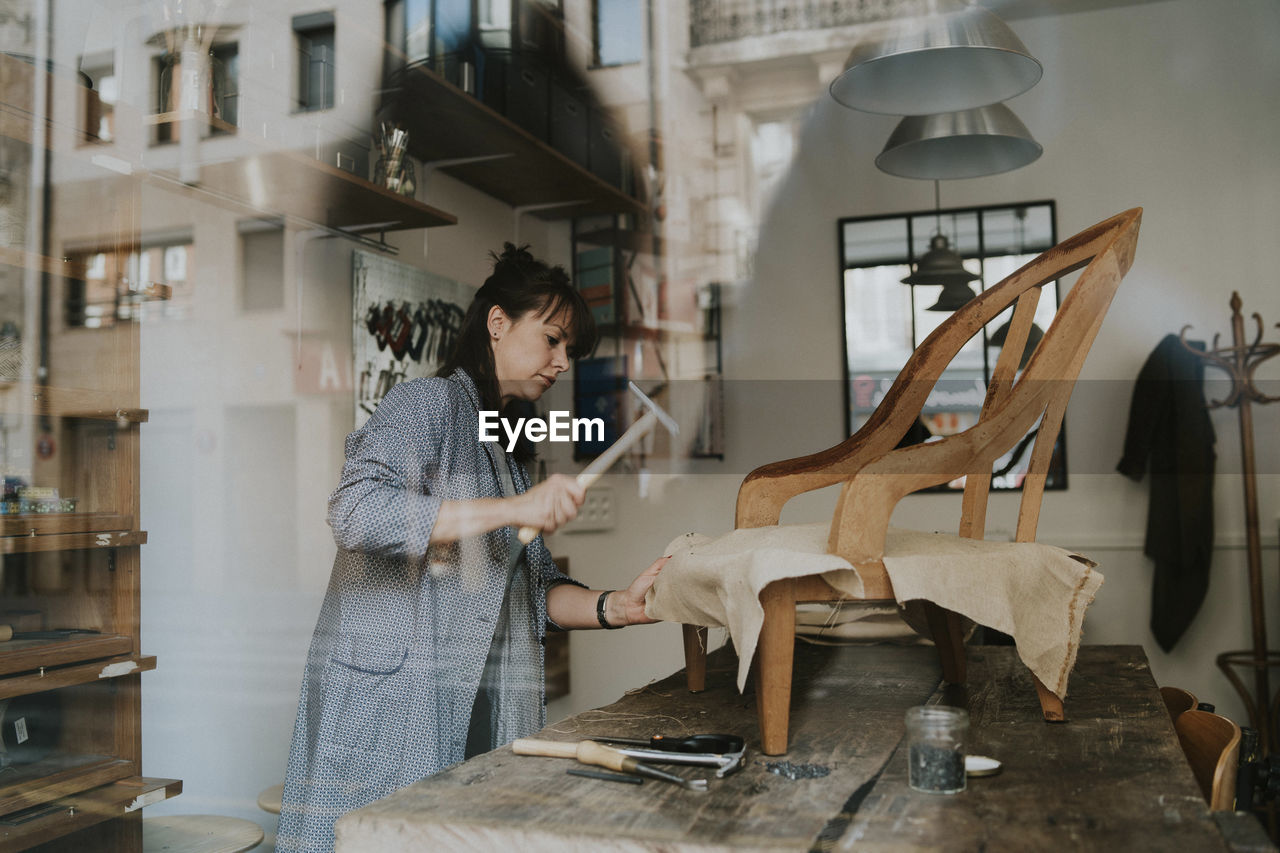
x=617, y=31
x=885, y=320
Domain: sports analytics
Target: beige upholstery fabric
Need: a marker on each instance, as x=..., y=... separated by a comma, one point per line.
x=1036, y=593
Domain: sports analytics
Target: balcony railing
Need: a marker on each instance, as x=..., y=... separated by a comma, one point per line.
x=715, y=21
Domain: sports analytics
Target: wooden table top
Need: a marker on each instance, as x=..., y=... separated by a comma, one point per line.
x=1113, y=777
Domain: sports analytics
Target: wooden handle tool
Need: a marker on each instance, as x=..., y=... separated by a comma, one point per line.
x=603, y=462
x=590, y=752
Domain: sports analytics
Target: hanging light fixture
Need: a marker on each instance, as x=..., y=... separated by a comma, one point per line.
x=943, y=61
x=1034, y=334
x=968, y=144
x=943, y=266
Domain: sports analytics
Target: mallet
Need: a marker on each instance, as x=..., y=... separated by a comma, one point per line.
x=638, y=430
x=590, y=752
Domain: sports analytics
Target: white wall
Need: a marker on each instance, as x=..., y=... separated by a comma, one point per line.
x=1169, y=106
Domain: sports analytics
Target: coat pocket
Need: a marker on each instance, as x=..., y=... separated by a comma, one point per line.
x=367, y=694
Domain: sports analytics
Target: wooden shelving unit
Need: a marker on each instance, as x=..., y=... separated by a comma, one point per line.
x=446, y=123
x=70, y=676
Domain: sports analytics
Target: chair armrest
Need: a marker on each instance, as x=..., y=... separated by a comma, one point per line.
x=867, y=501
x=766, y=489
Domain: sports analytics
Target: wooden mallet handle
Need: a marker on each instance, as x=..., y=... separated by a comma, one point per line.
x=586, y=751
x=603, y=462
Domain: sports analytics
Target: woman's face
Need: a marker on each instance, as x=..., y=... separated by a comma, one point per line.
x=529, y=353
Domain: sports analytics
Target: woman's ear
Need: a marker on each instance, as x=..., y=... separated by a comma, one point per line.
x=497, y=322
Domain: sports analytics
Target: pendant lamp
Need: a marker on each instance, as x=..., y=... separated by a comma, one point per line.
x=967, y=144
x=1034, y=335
x=943, y=266
x=942, y=61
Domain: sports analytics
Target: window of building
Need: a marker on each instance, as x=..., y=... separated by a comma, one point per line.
x=99, y=122
x=225, y=76
x=885, y=320
x=617, y=31
x=144, y=282
x=314, y=36
x=221, y=91
x=261, y=264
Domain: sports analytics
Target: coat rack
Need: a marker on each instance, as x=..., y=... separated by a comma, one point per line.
x=1240, y=360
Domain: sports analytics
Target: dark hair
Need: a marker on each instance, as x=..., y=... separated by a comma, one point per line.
x=520, y=284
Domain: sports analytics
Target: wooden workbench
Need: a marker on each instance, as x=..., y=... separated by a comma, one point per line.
x=1112, y=778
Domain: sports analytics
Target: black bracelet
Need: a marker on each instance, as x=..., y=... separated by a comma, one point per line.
x=604, y=623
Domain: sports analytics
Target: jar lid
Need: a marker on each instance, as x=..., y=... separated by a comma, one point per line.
x=981, y=765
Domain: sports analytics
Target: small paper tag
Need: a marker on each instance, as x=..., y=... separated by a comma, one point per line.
x=20, y=729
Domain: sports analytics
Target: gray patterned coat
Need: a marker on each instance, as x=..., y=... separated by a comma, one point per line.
x=405, y=626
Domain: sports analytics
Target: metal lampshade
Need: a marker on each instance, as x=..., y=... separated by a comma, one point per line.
x=937, y=63
x=941, y=265
x=968, y=144
x=1034, y=336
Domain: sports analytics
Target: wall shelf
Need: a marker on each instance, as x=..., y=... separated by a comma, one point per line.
x=446, y=123
x=291, y=184
x=627, y=240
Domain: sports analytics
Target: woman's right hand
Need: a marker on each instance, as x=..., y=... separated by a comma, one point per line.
x=551, y=504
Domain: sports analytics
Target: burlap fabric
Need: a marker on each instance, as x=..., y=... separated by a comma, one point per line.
x=1036, y=593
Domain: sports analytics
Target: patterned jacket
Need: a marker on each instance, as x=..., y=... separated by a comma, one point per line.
x=405, y=627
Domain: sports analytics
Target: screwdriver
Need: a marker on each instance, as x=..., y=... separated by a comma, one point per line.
x=718, y=743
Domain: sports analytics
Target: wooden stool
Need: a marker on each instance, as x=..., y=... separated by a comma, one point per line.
x=199, y=833
x=269, y=799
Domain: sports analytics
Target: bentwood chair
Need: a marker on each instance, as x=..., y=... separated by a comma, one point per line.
x=1177, y=700
x=1211, y=743
x=876, y=473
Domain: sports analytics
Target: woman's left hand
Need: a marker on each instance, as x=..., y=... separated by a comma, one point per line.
x=626, y=606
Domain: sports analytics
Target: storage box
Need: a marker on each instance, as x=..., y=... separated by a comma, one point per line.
x=605, y=149
x=569, y=123
x=528, y=95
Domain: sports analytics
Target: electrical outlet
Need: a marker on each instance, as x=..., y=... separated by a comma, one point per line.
x=596, y=512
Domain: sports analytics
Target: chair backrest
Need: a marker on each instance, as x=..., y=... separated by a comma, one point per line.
x=1177, y=700
x=1014, y=403
x=1212, y=745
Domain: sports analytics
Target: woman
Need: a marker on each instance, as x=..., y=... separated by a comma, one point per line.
x=428, y=650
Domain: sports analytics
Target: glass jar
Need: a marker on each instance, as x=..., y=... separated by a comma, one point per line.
x=935, y=748
x=400, y=180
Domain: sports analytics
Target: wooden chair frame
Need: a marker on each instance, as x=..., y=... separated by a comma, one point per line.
x=1211, y=743
x=877, y=474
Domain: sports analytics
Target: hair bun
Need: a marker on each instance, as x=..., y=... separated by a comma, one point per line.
x=518, y=256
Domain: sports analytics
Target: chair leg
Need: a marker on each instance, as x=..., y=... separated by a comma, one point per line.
x=1050, y=704
x=773, y=665
x=695, y=657
x=947, y=628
